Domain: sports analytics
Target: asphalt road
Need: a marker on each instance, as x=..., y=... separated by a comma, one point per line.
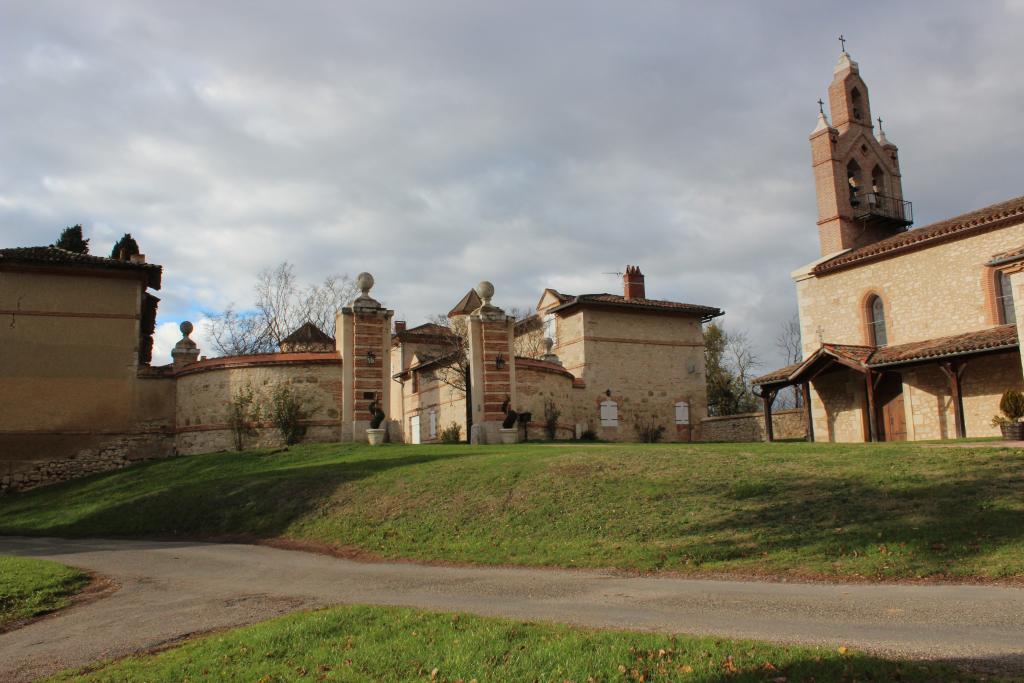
x=169, y=591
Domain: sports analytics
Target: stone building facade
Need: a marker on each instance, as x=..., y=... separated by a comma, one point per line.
x=615, y=365
x=907, y=334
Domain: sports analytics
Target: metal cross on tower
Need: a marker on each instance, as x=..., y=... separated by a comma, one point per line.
x=821, y=106
x=842, y=41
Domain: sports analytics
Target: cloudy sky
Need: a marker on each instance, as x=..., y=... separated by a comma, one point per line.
x=438, y=143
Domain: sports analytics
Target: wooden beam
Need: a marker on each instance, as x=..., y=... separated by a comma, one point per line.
x=954, y=370
x=869, y=386
x=768, y=398
x=807, y=408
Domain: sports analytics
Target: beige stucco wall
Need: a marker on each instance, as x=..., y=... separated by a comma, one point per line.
x=204, y=394
x=71, y=402
x=435, y=396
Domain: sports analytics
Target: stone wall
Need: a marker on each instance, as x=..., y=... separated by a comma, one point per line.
x=787, y=424
x=205, y=389
x=919, y=304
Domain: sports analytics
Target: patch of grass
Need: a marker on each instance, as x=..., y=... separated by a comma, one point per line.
x=880, y=511
x=394, y=644
x=29, y=587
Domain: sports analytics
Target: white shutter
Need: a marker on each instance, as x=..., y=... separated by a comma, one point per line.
x=682, y=413
x=609, y=414
x=433, y=424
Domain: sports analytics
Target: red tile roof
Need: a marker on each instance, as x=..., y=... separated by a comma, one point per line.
x=992, y=339
x=953, y=228
x=617, y=300
x=1003, y=337
x=55, y=256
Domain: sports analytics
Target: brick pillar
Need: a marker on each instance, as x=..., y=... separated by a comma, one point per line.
x=364, y=342
x=490, y=346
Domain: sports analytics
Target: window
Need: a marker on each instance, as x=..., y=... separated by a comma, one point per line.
x=853, y=178
x=550, y=327
x=609, y=413
x=433, y=424
x=855, y=103
x=682, y=413
x=876, y=321
x=1004, y=299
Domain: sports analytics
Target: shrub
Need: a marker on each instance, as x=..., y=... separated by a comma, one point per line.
x=588, y=435
x=286, y=413
x=376, y=415
x=551, y=415
x=510, y=415
x=648, y=432
x=243, y=414
x=1012, y=405
x=452, y=433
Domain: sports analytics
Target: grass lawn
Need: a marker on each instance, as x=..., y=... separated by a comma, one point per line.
x=394, y=644
x=32, y=587
x=798, y=509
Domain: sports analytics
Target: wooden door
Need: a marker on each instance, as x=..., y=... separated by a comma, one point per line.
x=892, y=418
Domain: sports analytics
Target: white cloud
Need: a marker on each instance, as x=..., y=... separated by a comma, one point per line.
x=439, y=144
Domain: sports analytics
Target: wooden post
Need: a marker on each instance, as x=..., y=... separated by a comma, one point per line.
x=768, y=397
x=807, y=409
x=954, y=373
x=869, y=383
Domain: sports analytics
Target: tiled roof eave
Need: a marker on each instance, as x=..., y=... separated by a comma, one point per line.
x=959, y=227
x=942, y=356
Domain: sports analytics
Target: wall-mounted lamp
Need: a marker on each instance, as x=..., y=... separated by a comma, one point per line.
x=499, y=362
x=371, y=358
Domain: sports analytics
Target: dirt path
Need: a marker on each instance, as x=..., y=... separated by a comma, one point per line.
x=170, y=591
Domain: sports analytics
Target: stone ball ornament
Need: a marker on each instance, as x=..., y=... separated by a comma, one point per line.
x=485, y=290
x=186, y=328
x=364, y=281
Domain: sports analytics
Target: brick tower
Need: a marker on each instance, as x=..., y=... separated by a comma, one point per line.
x=364, y=341
x=856, y=174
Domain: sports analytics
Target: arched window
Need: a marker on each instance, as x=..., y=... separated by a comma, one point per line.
x=853, y=177
x=876, y=321
x=856, y=105
x=1004, y=299
x=878, y=180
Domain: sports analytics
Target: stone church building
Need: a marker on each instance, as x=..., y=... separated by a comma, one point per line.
x=908, y=334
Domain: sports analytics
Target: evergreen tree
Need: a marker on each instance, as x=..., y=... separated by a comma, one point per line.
x=71, y=240
x=125, y=248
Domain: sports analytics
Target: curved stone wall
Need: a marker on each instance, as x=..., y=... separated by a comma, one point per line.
x=205, y=390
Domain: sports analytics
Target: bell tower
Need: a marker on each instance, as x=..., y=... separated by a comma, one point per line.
x=856, y=174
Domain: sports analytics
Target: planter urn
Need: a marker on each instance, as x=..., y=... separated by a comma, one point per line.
x=375, y=437
x=510, y=435
x=1013, y=431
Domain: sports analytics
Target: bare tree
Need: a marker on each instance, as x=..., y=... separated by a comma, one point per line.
x=789, y=344
x=743, y=360
x=282, y=305
x=730, y=361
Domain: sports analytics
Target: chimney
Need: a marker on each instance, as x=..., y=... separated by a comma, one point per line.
x=633, y=283
x=399, y=326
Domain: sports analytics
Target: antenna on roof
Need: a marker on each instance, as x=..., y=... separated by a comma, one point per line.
x=617, y=274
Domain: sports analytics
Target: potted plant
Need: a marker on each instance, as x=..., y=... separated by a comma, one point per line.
x=509, y=432
x=1012, y=407
x=375, y=433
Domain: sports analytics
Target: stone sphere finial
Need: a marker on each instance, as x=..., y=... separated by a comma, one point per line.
x=364, y=281
x=549, y=344
x=485, y=290
x=186, y=329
